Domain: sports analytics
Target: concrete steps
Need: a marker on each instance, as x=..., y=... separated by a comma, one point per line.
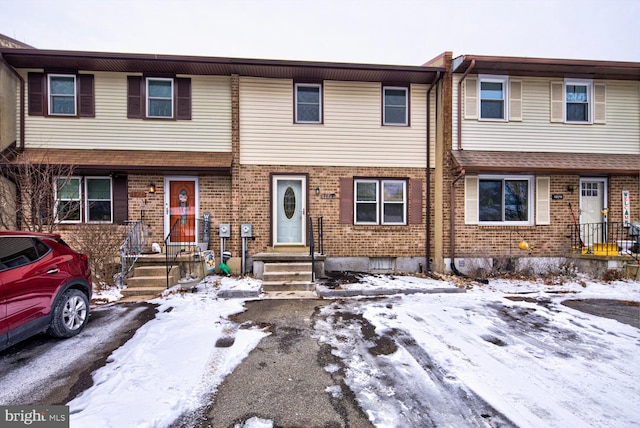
x=149, y=277
x=287, y=276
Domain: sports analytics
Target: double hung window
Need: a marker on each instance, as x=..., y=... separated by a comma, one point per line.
x=89, y=200
x=380, y=201
x=98, y=199
x=62, y=94
x=577, y=100
x=493, y=97
x=68, y=200
x=505, y=200
x=308, y=103
x=159, y=97
x=395, y=109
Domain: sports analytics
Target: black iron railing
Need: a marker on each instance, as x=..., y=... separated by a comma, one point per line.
x=183, y=240
x=313, y=243
x=604, y=239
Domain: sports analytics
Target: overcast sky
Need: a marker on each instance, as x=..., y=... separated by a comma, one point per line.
x=365, y=31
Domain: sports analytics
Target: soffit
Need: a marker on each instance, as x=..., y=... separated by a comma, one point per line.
x=552, y=163
x=545, y=67
x=194, y=65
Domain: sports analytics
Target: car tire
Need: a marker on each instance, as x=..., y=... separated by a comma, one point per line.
x=70, y=314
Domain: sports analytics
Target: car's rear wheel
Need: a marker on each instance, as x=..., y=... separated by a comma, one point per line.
x=70, y=314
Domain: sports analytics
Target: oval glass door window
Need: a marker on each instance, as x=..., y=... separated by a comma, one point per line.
x=289, y=203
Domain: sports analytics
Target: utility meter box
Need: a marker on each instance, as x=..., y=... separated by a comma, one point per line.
x=225, y=231
x=245, y=231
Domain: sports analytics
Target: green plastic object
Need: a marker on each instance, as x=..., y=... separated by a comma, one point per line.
x=224, y=268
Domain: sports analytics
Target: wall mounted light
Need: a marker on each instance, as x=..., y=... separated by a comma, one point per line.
x=152, y=188
x=317, y=190
x=571, y=188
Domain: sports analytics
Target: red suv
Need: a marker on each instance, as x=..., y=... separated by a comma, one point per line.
x=45, y=286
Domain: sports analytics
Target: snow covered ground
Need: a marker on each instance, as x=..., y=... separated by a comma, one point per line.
x=411, y=360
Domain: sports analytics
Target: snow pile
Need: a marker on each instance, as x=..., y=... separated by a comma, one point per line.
x=170, y=366
x=479, y=358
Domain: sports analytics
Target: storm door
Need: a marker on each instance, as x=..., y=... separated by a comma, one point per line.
x=289, y=210
x=181, y=212
x=593, y=212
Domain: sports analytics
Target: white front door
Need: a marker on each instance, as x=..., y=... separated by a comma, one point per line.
x=593, y=196
x=289, y=209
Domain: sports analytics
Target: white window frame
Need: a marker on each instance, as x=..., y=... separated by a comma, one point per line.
x=530, y=199
x=406, y=105
x=504, y=80
x=148, y=80
x=578, y=82
x=308, y=85
x=50, y=95
x=58, y=200
x=379, y=201
x=87, y=200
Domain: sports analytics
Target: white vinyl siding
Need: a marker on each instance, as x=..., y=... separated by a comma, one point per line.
x=352, y=133
x=536, y=133
x=209, y=129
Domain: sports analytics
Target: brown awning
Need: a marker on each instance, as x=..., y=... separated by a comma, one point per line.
x=133, y=161
x=551, y=163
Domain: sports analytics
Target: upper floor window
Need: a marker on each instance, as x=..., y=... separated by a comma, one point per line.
x=62, y=94
x=577, y=100
x=395, y=109
x=160, y=98
x=308, y=103
x=380, y=201
x=493, y=97
x=505, y=200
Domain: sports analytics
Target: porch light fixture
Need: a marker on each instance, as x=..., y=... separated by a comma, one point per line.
x=571, y=188
x=152, y=188
x=317, y=190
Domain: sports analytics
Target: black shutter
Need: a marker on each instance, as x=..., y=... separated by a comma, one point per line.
x=346, y=201
x=135, y=97
x=36, y=94
x=120, y=199
x=415, y=201
x=86, y=99
x=183, y=98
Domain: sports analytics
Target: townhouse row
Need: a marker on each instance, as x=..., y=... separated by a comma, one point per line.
x=406, y=168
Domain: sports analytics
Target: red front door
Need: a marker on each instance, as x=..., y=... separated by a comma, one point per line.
x=182, y=210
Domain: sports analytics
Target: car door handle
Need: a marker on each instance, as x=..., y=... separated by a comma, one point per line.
x=53, y=271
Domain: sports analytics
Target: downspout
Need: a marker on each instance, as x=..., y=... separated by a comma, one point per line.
x=452, y=219
x=22, y=100
x=452, y=235
x=428, y=175
x=473, y=63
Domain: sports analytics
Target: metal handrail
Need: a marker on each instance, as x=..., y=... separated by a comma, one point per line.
x=320, y=236
x=312, y=249
x=604, y=239
x=130, y=250
x=182, y=238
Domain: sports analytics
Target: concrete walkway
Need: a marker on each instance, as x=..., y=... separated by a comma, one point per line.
x=283, y=379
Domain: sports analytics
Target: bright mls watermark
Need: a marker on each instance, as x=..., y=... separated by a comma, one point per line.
x=34, y=416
